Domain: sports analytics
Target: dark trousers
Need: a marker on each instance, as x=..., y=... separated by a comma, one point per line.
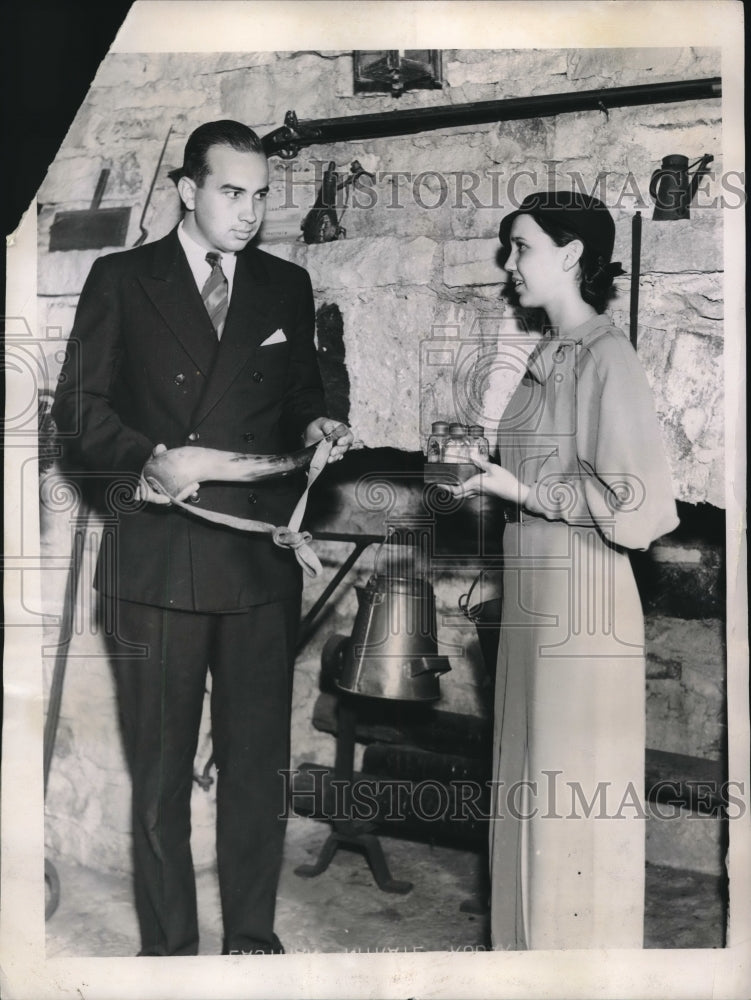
x=251, y=656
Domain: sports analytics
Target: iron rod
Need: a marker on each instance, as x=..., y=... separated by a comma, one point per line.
x=306, y=625
x=635, y=276
x=65, y=638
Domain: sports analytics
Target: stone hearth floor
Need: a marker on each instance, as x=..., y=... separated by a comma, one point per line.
x=343, y=910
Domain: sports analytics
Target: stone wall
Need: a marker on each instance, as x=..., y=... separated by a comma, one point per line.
x=420, y=255
x=420, y=292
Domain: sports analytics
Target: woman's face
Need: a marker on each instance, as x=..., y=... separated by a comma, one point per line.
x=535, y=264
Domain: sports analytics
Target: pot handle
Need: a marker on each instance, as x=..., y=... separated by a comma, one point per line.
x=425, y=666
x=390, y=531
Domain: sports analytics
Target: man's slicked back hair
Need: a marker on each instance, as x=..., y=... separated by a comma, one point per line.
x=221, y=133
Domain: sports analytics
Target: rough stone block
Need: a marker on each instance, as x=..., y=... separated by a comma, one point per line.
x=129, y=69
x=677, y=305
x=247, y=94
x=265, y=93
x=55, y=318
x=684, y=245
x=370, y=263
x=584, y=134
x=688, y=127
x=472, y=262
x=695, y=371
x=195, y=96
x=72, y=179
x=698, y=476
x=406, y=220
x=487, y=196
x=383, y=329
x=620, y=63
x=64, y=273
x=697, y=302
x=140, y=130
x=685, y=369
x=81, y=133
x=508, y=71
x=707, y=61
x=517, y=145
x=294, y=252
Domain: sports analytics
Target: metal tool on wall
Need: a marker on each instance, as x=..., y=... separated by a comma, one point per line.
x=144, y=232
x=91, y=228
x=322, y=224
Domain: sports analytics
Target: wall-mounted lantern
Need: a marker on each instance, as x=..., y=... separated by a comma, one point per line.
x=394, y=71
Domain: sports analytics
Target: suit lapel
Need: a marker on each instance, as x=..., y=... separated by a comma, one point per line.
x=172, y=288
x=253, y=315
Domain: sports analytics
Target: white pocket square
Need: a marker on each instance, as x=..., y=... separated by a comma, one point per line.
x=276, y=338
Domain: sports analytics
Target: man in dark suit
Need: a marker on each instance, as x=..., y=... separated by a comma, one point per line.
x=172, y=347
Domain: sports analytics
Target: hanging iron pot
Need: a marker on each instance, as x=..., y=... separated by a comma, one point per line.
x=393, y=651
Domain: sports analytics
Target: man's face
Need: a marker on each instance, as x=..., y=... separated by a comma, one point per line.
x=227, y=210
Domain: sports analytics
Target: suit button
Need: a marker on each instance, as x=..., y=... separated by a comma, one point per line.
x=249, y=437
x=252, y=498
x=194, y=498
x=258, y=376
x=193, y=436
x=179, y=378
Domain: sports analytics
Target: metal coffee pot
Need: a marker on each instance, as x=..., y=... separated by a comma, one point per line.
x=393, y=651
x=672, y=188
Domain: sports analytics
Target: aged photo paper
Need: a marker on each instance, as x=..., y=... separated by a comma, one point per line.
x=198, y=41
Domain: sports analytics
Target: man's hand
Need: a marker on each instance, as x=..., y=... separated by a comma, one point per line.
x=343, y=437
x=494, y=480
x=168, y=467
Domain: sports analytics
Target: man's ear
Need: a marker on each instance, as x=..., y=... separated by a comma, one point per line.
x=574, y=251
x=186, y=188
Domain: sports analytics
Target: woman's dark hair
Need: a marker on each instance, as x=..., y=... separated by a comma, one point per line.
x=567, y=216
x=222, y=133
x=596, y=274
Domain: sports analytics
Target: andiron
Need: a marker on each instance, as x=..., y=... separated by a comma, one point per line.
x=347, y=831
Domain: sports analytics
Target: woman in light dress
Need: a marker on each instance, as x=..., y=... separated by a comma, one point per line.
x=584, y=477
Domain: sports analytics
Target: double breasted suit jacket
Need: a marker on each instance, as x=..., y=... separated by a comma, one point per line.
x=144, y=367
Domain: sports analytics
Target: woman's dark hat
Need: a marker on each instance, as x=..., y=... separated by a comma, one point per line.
x=584, y=215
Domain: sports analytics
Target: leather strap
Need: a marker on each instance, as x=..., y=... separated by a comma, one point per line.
x=289, y=537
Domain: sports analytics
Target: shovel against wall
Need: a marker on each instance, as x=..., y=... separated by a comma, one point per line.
x=91, y=228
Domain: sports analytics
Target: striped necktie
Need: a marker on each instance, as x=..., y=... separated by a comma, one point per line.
x=215, y=293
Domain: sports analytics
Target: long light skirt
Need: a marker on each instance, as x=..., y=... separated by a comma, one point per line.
x=567, y=838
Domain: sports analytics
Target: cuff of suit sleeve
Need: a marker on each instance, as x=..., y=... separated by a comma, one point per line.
x=135, y=456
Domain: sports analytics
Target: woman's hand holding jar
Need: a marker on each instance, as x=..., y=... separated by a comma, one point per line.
x=493, y=479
